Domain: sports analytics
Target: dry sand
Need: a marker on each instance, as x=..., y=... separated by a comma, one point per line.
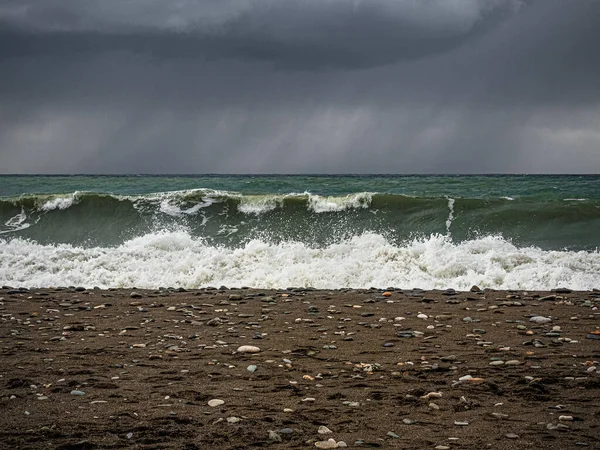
x=92, y=369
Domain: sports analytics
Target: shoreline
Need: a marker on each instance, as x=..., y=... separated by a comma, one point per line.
x=129, y=368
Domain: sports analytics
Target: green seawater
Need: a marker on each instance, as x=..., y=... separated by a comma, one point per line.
x=549, y=212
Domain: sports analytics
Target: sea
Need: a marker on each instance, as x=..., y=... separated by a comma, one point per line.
x=326, y=232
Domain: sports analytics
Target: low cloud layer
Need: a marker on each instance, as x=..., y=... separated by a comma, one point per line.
x=299, y=86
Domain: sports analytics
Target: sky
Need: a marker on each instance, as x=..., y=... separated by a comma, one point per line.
x=299, y=86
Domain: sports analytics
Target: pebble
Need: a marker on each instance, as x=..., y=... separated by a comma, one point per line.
x=329, y=443
x=393, y=435
x=274, y=436
x=252, y=368
x=233, y=419
x=461, y=424
x=76, y=392
x=512, y=436
x=324, y=430
x=215, y=402
x=540, y=319
x=248, y=349
x=431, y=395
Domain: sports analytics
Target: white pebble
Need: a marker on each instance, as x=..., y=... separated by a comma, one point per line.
x=248, y=349
x=540, y=319
x=215, y=402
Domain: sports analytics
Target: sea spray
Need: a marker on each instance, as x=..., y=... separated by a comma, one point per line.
x=178, y=259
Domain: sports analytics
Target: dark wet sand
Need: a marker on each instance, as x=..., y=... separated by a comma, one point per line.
x=147, y=368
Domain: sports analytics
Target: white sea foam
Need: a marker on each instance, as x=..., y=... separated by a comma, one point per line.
x=171, y=209
x=450, y=215
x=177, y=259
x=16, y=223
x=320, y=204
x=60, y=202
x=259, y=204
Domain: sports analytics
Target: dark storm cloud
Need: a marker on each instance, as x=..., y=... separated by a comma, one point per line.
x=290, y=86
x=294, y=34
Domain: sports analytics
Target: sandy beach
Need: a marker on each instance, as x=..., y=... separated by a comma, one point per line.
x=139, y=369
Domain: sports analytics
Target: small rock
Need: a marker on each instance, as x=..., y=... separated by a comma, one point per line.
x=540, y=319
x=76, y=392
x=431, y=395
x=393, y=435
x=329, y=443
x=233, y=419
x=136, y=295
x=274, y=436
x=252, y=368
x=562, y=290
x=324, y=430
x=215, y=402
x=512, y=436
x=513, y=362
x=248, y=349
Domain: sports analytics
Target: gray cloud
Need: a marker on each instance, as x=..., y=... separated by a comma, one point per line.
x=294, y=34
x=459, y=86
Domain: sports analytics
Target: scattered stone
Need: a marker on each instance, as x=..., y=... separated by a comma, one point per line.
x=324, y=430
x=248, y=349
x=431, y=395
x=329, y=443
x=77, y=392
x=540, y=319
x=562, y=290
x=274, y=436
x=215, y=402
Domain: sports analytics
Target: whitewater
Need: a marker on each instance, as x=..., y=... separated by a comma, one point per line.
x=179, y=260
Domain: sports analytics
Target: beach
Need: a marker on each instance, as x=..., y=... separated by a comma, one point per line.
x=299, y=368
